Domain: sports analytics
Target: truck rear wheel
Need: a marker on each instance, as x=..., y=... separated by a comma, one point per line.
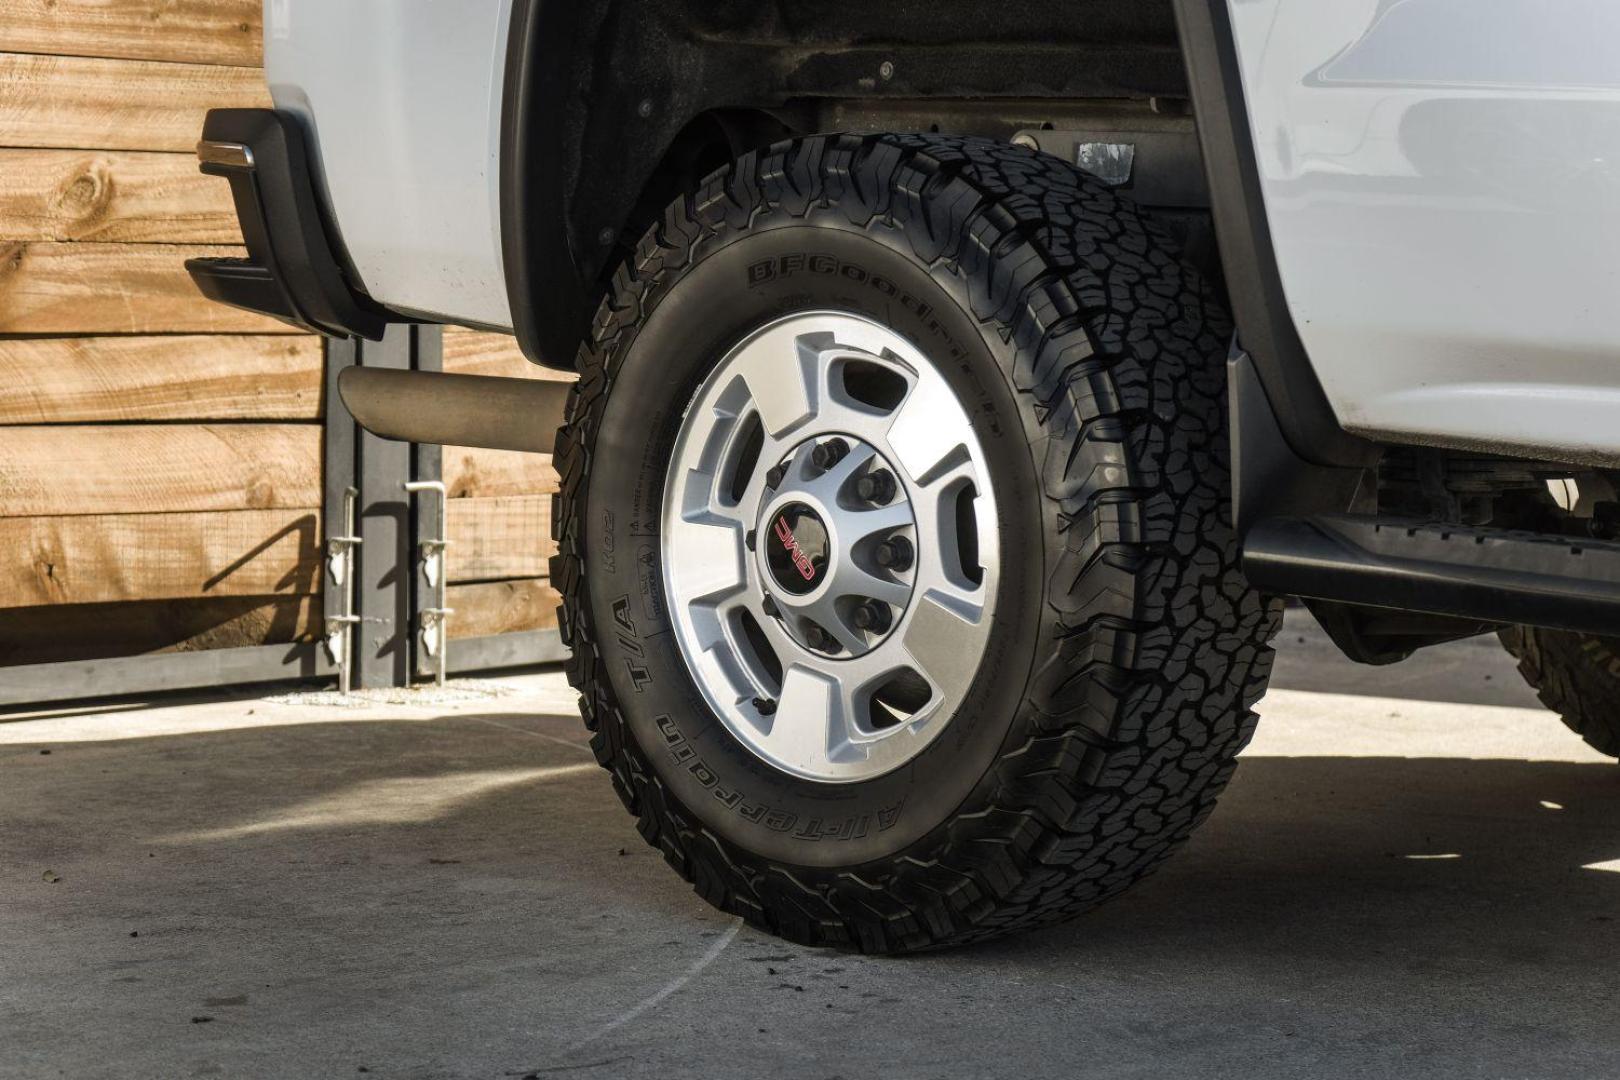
x=1575, y=675
x=895, y=546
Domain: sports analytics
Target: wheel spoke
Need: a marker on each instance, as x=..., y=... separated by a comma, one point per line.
x=729, y=614
x=956, y=468
x=784, y=376
x=827, y=485
x=780, y=640
x=711, y=559
x=923, y=446
x=879, y=520
x=853, y=641
x=850, y=579
x=753, y=493
x=938, y=532
x=933, y=638
x=810, y=729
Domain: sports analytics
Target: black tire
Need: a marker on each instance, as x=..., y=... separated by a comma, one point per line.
x=1575, y=675
x=1128, y=650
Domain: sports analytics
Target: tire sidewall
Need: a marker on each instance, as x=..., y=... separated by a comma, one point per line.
x=743, y=281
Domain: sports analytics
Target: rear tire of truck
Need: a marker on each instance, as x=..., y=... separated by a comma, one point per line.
x=894, y=542
x=1575, y=675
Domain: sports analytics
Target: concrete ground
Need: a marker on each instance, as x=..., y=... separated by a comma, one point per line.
x=1416, y=873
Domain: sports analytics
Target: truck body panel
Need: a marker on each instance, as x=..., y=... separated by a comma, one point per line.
x=1442, y=183
x=401, y=105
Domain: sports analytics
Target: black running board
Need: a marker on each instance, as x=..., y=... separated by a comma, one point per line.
x=1492, y=575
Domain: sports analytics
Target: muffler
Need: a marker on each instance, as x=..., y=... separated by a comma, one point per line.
x=455, y=410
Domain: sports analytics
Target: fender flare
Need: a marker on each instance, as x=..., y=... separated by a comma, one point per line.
x=1266, y=330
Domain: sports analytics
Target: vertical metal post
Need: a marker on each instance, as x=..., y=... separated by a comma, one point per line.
x=388, y=590
x=427, y=516
x=434, y=621
x=340, y=575
x=337, y=514
x=383, y=582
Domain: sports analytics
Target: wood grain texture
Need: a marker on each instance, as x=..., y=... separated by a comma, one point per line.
x=86, y=103
x=183, y=377
x=158, y=468
x=54, y=288
x=36, y=635
x=189, y=31
x=113, y=195
x=103, y=558
x=503, y=537
x=475, y=352
x=471, y=471
x=502, y=607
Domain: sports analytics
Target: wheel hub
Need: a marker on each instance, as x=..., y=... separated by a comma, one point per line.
x=820, y=558
x=829, y=547
x=797, y=549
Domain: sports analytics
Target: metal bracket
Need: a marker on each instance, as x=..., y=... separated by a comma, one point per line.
x=340, y=568
x=434, y=625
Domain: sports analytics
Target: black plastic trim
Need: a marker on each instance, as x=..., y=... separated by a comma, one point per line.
x=547, y=322
x=291, y=272
x=1268, y=477
x=1253, y=280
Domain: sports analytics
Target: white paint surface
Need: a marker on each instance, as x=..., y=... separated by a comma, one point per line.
x=1442, y=179
x=402, y=100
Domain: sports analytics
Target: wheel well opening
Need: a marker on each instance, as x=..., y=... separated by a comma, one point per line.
x=711, y=140
x=614, y=110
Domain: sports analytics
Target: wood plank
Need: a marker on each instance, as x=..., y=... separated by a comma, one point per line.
x=184, y=377
x=503, y=537
x=472, y=471
x=158, y=468
x=46, y=634
x=103, y=558
x=113, y=195
x=476, y=352
x=189, y=31
x=502, y=607
x=86, y=103
x=52, y=288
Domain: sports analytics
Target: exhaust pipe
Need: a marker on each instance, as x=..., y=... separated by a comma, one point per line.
x=486, y=411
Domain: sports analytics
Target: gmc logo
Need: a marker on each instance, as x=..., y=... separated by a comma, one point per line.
x=791, y=542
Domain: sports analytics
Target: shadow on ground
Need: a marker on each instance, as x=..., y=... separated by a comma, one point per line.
x=457, y=897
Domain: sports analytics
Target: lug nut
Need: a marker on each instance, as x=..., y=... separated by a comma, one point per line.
x=894, y=553
x=817, y=638
x=825, y=455
x=765, y=706
x=750, y=539
x=876, y=487
x=872, y=616
x=773, y=479
x=768, y=606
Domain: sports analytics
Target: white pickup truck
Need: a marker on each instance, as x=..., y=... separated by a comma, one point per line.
x=962, y=387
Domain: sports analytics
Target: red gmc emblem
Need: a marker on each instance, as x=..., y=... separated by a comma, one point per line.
x=791, y=543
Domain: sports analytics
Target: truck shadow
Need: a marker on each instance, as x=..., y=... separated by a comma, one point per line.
x=1386, y=844
x=1309, y=856
x=480, y=868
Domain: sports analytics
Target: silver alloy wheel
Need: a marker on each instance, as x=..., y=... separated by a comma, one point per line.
x=829, y=546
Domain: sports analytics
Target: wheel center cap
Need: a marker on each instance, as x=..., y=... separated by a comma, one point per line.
x=796, y=548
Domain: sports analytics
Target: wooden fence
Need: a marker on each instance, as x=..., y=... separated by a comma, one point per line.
x=160, y=454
